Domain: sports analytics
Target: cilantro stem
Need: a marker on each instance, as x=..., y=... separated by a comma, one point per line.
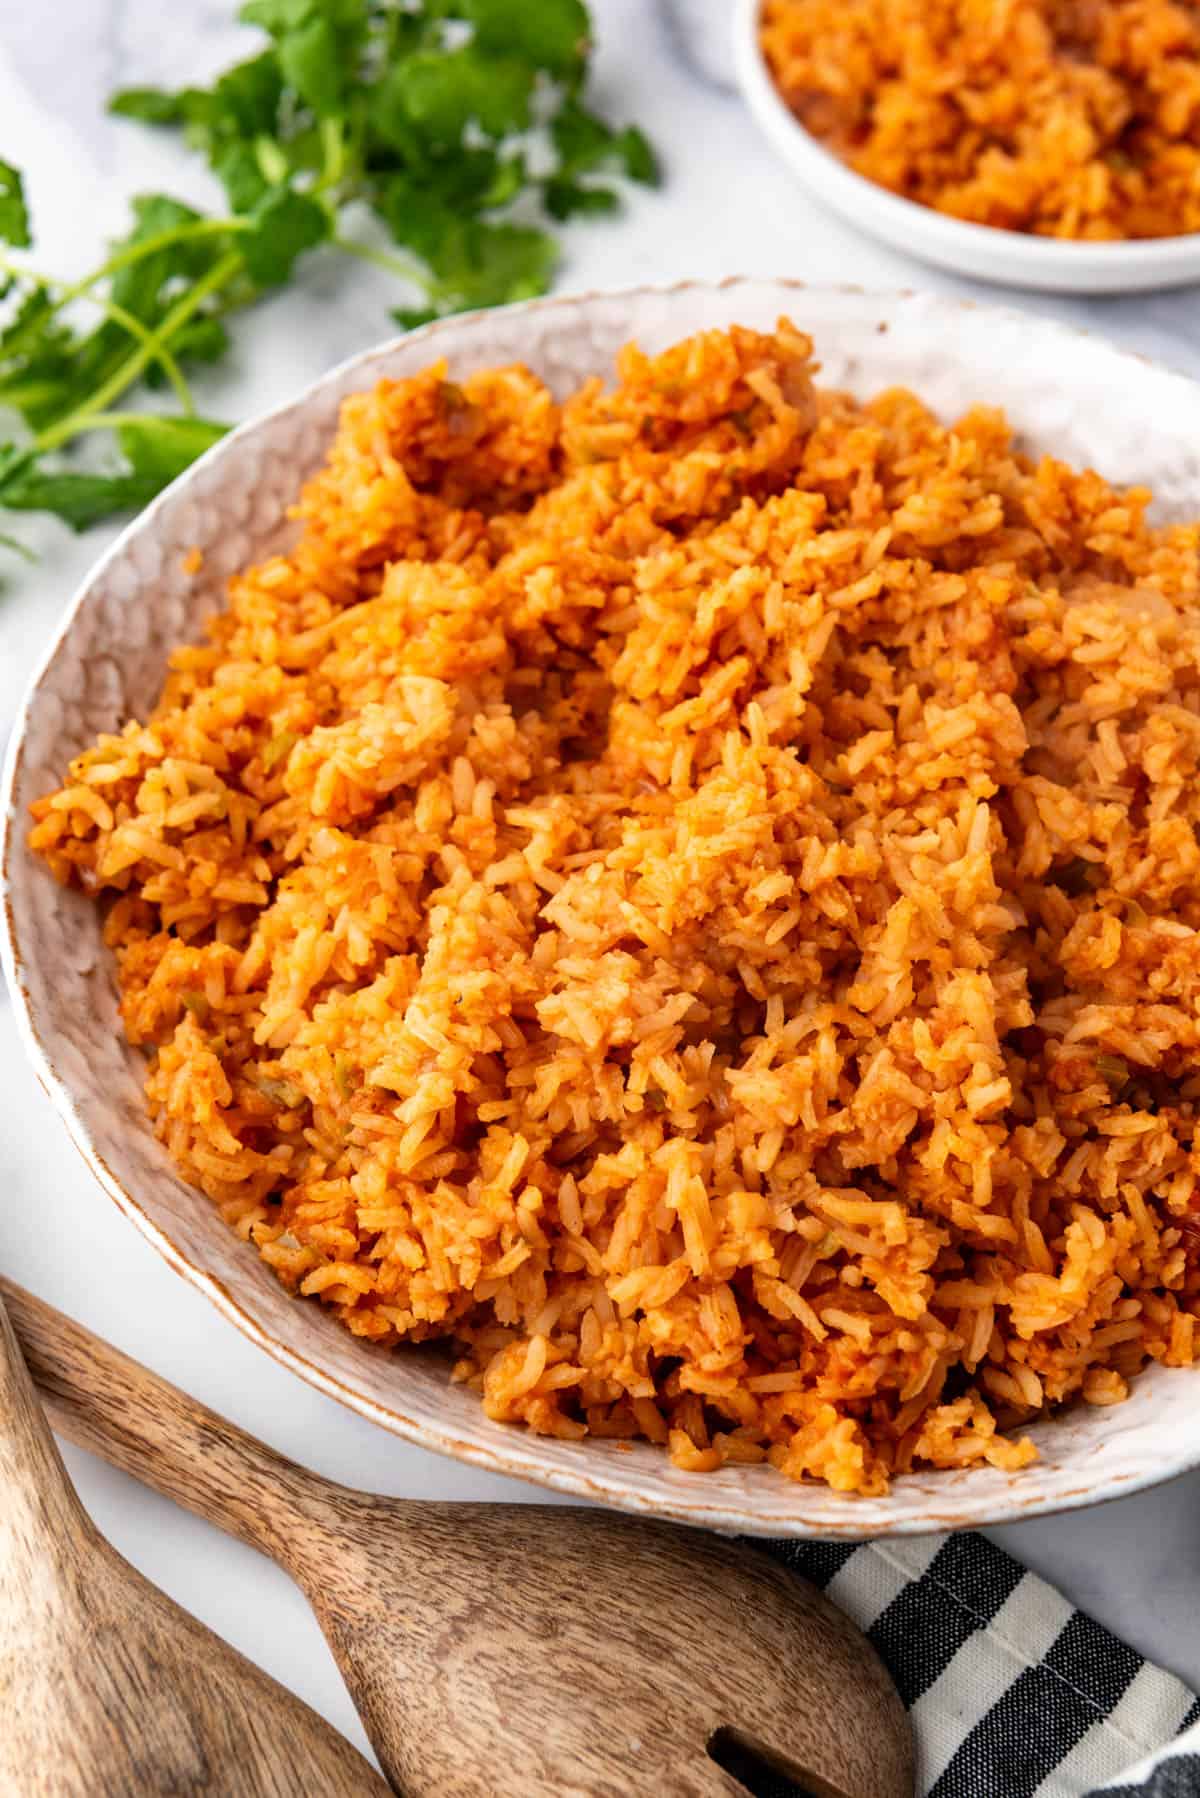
x=162, y=354
x=124, y=376
x=21, y=549
x=119, y=316
x=333, y=152
x=161, y=240
x=384, y=259
x=272, y=162
x=111, y=421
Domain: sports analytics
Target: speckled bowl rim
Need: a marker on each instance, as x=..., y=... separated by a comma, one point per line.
x=513, y=1452
x=981, y=252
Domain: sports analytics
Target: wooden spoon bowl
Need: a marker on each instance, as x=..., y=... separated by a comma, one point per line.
x=514, y=1651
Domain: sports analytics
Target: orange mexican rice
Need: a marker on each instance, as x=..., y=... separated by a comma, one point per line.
x=693, y=895
x=1068, y=118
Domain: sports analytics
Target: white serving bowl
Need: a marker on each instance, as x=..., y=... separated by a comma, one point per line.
x=982, y=252
x=1065, y=392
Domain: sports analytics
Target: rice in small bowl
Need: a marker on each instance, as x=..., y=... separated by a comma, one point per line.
x=1031, y=145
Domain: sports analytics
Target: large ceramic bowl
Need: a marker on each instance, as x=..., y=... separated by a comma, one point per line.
x=1065, y=392
x=983, y=252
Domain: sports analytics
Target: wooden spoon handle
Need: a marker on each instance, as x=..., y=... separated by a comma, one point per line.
x=100, y=1399
x=41, y=1519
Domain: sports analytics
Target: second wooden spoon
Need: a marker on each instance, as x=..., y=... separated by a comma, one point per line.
x=513, y=1651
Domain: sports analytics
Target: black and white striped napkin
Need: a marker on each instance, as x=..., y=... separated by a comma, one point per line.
x=1012, y=1692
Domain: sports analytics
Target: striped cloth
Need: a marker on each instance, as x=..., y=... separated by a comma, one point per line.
x=1013, y=1694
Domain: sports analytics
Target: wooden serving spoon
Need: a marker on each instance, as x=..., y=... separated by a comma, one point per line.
x=514, y=1651
x=108, y=1686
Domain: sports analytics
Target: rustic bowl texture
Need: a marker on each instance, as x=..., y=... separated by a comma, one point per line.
x=1064, y=391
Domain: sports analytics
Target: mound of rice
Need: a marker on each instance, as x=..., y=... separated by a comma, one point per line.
x=1067, y=118
x=693, y=895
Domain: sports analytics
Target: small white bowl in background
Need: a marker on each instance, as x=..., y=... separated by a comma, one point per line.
x=982, y=252
x=702, y=30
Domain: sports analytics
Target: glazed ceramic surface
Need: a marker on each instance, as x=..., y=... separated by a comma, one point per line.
x=982, y=252
x=1064, y=392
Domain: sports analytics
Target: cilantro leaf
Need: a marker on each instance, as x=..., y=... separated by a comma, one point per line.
x=493, y=265
x=393, y=139
x=582, y=140
x=238, y=169
x=148, y=286
x=410, y=317
x=636, y=152
x=277, y=16
x=14, y=214
x=443, y=91
x=161, y=448
x=473, y=262
x=202, y=339
x=15, y=460
x=155, y=213
x=477, y=264
x=41, y=391
x=245, y=101
x=139, y=286
x=156, y=450
x=568, y=199
x=31, y=321
x=316, y=44
x=509, y=176
x=80, y=500
x=286, y=223
x=310, y=63
x=548, y=34
x=36, y=370
x=189, y=106
x=149, y=105
x=348, y=17
x=585, y=143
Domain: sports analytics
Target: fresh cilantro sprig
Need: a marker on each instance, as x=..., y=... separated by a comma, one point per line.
x=459, y=126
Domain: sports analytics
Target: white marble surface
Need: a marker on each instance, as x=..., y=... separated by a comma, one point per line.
x=725, y=208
